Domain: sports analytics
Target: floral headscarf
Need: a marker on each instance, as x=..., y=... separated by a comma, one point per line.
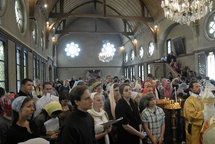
x=6, y=103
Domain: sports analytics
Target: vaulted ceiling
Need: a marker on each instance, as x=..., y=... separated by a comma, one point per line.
x=125, y=16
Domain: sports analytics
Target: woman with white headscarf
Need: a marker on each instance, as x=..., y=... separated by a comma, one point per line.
x=22, y=128
x=110, y=102
x=100, y=117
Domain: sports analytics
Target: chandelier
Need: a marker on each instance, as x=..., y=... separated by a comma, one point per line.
x=72, y=49
x=186, y=11
x=107, y=53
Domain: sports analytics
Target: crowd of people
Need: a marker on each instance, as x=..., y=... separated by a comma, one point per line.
x=78, y=111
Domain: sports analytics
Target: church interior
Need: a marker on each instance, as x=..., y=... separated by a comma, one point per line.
x=162, y=50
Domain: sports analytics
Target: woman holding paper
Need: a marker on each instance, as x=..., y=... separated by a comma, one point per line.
x=100, y=117
x=49, y=113
x=129, y=128
x=22, y=128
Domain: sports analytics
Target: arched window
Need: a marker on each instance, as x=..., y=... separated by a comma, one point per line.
x=151, y=48
x=42, y=40
x=21, y=16
x=132, y=54
x=3, y=64
x=211, y=26
x=141, y=52
x=34, y=31
x=126, y=57
x=211, y=65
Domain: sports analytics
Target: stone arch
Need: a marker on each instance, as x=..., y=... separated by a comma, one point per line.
x=163, y=38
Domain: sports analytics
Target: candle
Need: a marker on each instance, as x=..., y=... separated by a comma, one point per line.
x=180, y=102
x=175, y=95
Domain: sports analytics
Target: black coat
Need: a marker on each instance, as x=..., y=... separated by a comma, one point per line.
x=78, y=128
x=130, y=116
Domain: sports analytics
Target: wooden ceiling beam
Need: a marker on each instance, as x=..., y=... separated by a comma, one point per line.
x=63, y=32
x=66, y=15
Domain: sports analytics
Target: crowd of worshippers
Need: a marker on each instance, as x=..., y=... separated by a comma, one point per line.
x=78, y=112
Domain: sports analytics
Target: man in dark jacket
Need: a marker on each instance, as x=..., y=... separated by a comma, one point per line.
x=26, y=88
x=78, y=127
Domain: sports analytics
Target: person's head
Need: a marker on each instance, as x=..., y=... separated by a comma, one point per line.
x=167, y=85
x=194, y=87
x=183, y=86
x=97, y=100
x=116, y=90
x=175, y=83
x=98, y=78
x=149, y=77
x=36, y=82
x=65, y=83
x=96, y=87
x=47, y=88
x=149, y=89
x=157, y=83
x=80, y=98
x=64, y=98
x=150, y=100
x=53, y=109
x=6, y=103
x=109, y=79
x=22, y=107
x=2, y=91
x=138, y=97
x=127, y=81
x=27, y=86
x=125, y=91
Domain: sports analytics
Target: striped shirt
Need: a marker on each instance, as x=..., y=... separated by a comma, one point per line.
x=154, y=121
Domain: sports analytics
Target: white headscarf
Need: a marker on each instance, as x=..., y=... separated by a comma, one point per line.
x=112, y=101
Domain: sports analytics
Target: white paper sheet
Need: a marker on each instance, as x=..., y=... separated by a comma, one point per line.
x=52, y=124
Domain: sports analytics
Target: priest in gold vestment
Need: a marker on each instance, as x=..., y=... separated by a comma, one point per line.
x=193, y=113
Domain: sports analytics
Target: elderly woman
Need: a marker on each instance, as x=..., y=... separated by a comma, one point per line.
x=153, y=119
x=99, y=116
x=129, y=128
x=22, y=128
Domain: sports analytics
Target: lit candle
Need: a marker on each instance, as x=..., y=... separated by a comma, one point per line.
x=180, y=102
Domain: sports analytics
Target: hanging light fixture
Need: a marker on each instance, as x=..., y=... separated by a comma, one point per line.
x=186, y=11
x=107, y=52
x=72, y=49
